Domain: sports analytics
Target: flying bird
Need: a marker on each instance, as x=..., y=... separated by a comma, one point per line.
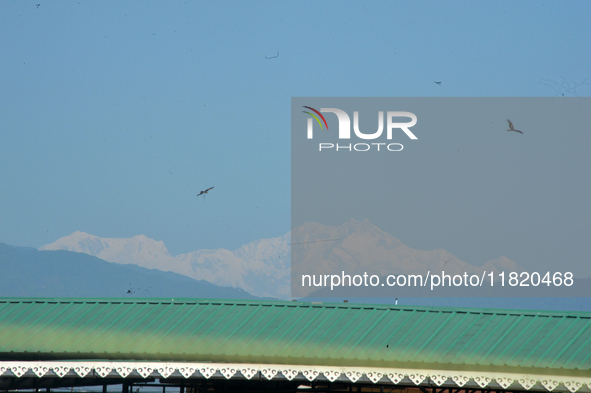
x=205, y=192
x=511, y=127
x=439, y=83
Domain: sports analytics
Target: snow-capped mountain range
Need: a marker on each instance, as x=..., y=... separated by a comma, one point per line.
x=262, y=267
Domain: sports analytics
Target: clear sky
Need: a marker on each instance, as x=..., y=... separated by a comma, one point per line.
x=114, y=115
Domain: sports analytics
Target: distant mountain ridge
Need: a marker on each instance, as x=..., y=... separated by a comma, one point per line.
x=152, y=253
x=32, y=273
x=263, y=267
x=29, y=272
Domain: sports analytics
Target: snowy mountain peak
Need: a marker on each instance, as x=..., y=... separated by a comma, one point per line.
x=78, y=242
x=140, y=250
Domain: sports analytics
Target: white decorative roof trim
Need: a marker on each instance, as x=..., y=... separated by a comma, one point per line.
x=443, y=378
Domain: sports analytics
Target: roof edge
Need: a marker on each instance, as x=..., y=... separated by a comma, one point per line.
x=168, y=300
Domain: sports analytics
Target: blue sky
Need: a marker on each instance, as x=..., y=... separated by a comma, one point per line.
x=114, y=115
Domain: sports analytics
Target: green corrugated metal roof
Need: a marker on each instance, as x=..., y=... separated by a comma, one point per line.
x=295, y=333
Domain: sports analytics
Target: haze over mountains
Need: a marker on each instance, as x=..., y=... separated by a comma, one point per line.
x=357, y=247
x=262, y=267
x=27, y=272
x=63, y=273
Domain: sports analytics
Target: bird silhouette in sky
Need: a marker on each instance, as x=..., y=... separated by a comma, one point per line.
x=205, y=192
x=439, y=83
x=511, y=127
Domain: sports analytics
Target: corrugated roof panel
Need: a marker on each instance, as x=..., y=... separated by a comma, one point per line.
x=447, y=334
x=581, y=328
x=554, y=342
x=294, y=333
x=352, y=320
x=289, y=321
x=378, y=337
x=581, y=353
x=537, y=342
x=486, y=334
x=506, y=352
x=366, y=335
x=461, y=337
x=422, y=335
x=500, y=339
x=391, y=335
